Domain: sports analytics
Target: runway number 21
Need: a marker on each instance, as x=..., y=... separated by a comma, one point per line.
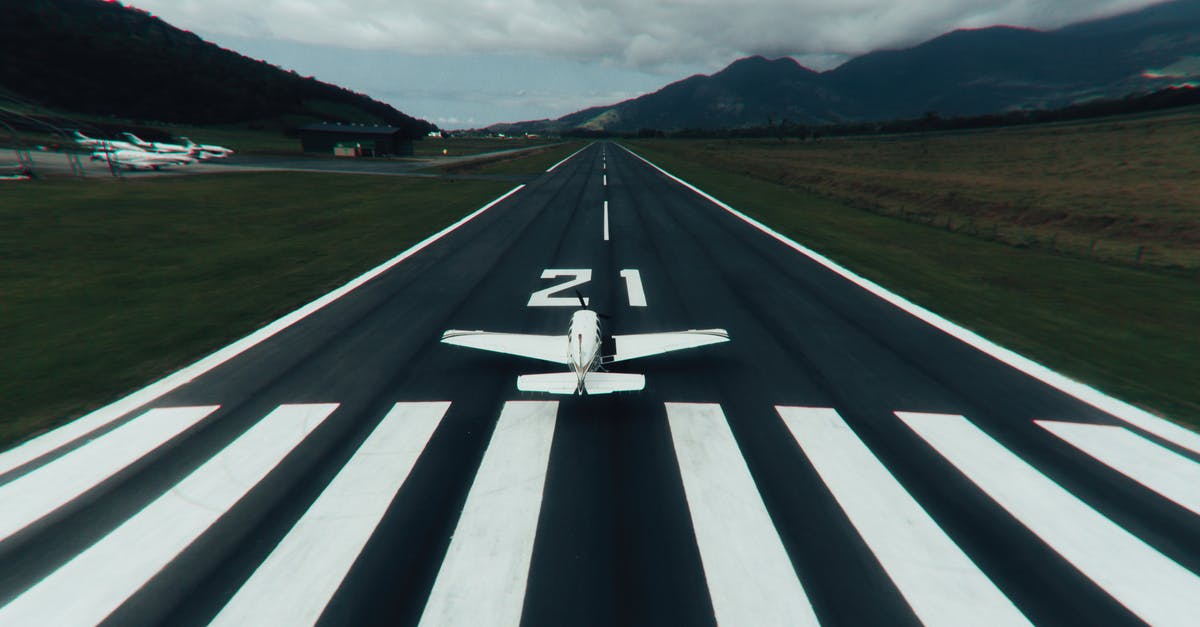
x=562, y=294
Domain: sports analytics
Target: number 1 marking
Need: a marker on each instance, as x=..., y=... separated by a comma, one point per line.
x=633, y=285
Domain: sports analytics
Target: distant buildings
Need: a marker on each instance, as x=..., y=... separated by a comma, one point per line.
x=359, y=140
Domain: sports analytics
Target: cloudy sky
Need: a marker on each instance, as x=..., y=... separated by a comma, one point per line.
x=469, y=63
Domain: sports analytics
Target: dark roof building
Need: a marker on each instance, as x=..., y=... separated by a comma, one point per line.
x=375, y=141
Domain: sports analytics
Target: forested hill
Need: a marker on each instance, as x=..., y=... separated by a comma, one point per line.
x=101, y=58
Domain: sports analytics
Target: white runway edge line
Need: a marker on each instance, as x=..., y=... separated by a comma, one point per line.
x=940, y=583
x=1120, y=409
x=555, y=166
x=296, y=582
x=1152, y=586
x=751, y=580
x=85, y=590
x=71, y=431
x=30, y=497
x=483, y=577
x=1154, y=466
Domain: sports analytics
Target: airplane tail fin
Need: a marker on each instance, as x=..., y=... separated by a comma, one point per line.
x=593, y=382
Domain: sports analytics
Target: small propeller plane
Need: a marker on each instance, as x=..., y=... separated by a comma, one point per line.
x=580, y=350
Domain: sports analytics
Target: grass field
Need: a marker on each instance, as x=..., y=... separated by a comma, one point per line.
x=1123, y=190
x=107, y=285
x=1132, y=332
x=531, y=162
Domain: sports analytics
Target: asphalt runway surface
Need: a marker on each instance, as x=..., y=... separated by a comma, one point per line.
x=846, y=459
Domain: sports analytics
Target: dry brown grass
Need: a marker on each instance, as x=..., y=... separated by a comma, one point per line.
x=1103, y=189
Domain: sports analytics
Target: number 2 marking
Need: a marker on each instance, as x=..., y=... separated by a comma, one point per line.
x=547, y=298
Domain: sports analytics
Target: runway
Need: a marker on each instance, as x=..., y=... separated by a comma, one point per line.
x=846, y=459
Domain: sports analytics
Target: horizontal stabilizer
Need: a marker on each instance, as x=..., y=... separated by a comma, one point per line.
x=647, y=344
x=593, y=382
x=552, y=348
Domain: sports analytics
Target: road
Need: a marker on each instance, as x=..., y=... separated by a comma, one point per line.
x=847, y=459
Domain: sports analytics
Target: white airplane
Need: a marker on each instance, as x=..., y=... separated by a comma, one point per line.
x=103, y=145
x=154, y=146
x=205, y=151
x=141, y=160
x=580, y=350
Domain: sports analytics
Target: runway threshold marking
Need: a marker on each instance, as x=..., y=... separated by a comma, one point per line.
x=1152, y=586
x=750, y=577
x=937, y=579
x=85, y=590
x=482, y=580
x=1156, y=467
x=72, y=431
x=32, y=496
x=606, y=220
x=1165, y=429
x=297, y=580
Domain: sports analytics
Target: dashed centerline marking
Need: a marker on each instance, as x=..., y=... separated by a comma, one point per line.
x=606, y=220
x=943, y=586
x=296, y=582
x=1151, y=585
x=483, y=577
x=750, y=577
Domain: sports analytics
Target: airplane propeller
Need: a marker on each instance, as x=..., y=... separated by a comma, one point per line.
x=583, y=305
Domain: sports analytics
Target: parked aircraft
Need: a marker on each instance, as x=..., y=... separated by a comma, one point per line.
x=206, y=151
x=154, y=146
x=138, y=159
x=580, y=350
x=101, y=144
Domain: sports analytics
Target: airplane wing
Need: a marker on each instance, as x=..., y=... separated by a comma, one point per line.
x=551, y=348
x=647, y=344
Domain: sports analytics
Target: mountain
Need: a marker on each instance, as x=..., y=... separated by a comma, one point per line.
x=101, y=58
x=962, y=73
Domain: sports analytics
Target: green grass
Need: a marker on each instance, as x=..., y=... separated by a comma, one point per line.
x=532, y=162
x=1131, y=332
x=108, y=285
x=462, y=146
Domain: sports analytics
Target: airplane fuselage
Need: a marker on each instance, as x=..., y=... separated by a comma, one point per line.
x=583, y=343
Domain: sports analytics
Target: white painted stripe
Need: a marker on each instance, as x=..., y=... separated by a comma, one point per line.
x=555, y=166
x=73, y=430
x=482, y=580
x=606, y=180
x=1152, y=586
x=96, y=582
x=633, y=285
x=296, y=582
x=1140, y=418
x=606, y=220
x=750, y=578
x=1162, y=470
x=941, y=584
x=38, y=493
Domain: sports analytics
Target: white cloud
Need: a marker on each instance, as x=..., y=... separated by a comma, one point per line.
x=643, y=34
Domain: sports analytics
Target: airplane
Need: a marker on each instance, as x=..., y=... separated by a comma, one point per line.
x=154, y=146
x=138, y=159
x=205, y=151
x=580, y=350
x=103, y=145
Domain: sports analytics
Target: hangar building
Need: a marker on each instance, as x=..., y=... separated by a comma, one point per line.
x=357, y=139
